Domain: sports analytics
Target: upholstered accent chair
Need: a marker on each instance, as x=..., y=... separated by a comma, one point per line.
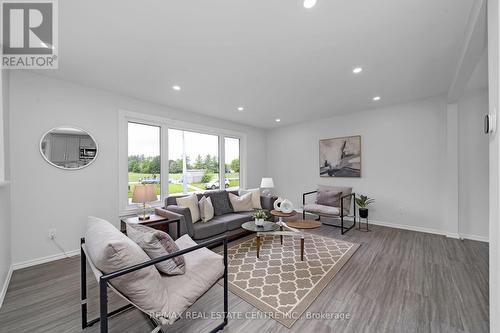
x=333, y=202
x=120, y=264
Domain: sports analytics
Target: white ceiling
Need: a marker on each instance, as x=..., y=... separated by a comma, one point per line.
x=273, y=57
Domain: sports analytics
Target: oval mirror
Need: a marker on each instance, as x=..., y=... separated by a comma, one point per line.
x=68, y=148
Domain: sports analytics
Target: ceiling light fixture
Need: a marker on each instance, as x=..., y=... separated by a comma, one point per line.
x=376, y=98
x=277, y=120
x=308, y=4
x=357, y=70
x=176, y=88
x=240, y=108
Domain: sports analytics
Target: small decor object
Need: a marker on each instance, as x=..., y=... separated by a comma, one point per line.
x=340, y=157
x=143, y=194
x=68, y=148
x=277, y=203
x=286, y=206
x=267, y=184
x=363, y=202
x=260, y=216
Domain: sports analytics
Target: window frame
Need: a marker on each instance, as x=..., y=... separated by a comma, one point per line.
x=125, y=116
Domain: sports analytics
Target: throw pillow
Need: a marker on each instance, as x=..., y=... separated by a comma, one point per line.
x=220, y=201
x=255, y=197
x=110, y=250
x=157, y=243
x=241, y=204
x=328, y=198
x=191, y=202
x=206, y=209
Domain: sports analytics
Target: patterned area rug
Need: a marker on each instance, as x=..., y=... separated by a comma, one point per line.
x=279, y=283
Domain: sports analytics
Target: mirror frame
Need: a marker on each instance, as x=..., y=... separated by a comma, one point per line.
x=63, y=168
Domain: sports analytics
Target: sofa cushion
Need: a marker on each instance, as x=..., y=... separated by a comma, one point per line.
x=235, y=220
x=322, y=210
x=110, y=250
x=213, y=227
x=220, y=201
x=345, y=191
x=255, y=197
x=241, y=204
x=191, y=202
x=206, y=209
x=203, y=269
x=157, y=243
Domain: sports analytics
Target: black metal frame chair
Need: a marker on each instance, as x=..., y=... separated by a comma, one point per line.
x=341, y=217
x=105, y=279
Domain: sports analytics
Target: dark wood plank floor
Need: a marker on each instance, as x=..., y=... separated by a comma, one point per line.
x=398, y=281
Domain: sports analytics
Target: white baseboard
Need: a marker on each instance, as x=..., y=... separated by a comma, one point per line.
x=476, y=238
x=422, y=229
x=429, y=231
x=5, y=285
x=43, y=260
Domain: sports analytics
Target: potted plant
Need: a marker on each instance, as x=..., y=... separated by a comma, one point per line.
x=363, y=202
x=260, y=216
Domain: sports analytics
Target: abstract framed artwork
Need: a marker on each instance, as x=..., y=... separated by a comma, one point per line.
x=340, y=157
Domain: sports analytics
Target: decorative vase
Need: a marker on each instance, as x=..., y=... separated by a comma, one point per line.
x=259, y=222
x=277, y=203
x=363, y=213
x=286, y=206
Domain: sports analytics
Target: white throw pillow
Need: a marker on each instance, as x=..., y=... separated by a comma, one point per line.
x=206, y=209
x=191, y=202
x=255, y=197
x=241, y=204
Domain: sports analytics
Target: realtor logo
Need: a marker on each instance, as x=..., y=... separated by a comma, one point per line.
x=29, y=34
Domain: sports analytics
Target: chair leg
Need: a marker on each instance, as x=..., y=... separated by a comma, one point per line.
x=103, y=297
x=303, y=214
x=342, y=224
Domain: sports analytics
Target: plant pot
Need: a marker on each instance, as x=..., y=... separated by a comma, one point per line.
x=259, y=222
x=363, y=213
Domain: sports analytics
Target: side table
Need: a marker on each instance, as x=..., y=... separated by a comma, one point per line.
x=155, y=221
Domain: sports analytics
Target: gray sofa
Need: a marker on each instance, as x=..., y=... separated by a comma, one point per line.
x=228, y=224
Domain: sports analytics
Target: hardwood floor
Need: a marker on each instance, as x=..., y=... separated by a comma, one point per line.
x=398, y=281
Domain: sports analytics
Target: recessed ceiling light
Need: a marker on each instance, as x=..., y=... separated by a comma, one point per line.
x=310, y=3
x=357, y=70
x=277, y=120
x=177, y=88
x=240, y=108
x=376, y=98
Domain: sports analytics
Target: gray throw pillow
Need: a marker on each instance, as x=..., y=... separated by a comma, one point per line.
x=328, y=198
x=157, y=243
x=220, y=201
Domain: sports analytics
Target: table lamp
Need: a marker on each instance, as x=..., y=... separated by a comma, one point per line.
x=144, y=194
x=267, y=184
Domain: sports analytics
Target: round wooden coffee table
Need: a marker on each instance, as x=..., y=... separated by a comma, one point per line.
x=304, y=224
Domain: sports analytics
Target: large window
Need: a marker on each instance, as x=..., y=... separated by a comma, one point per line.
x=232, y=157
x=144, y=157
x=177, y=157
x=193, y=160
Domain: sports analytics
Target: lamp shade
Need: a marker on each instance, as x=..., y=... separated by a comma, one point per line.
x=267, y=183
x=144, y=193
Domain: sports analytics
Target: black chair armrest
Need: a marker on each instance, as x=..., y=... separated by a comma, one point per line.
x=353, y=203
x=304, y=196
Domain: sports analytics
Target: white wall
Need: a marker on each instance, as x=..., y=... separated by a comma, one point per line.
x=45, y=197
x=473, y=164
x=494, y=169
x=5, y=221
x=403, y=155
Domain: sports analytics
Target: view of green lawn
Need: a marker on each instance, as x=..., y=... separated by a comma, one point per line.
x=175, y=185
